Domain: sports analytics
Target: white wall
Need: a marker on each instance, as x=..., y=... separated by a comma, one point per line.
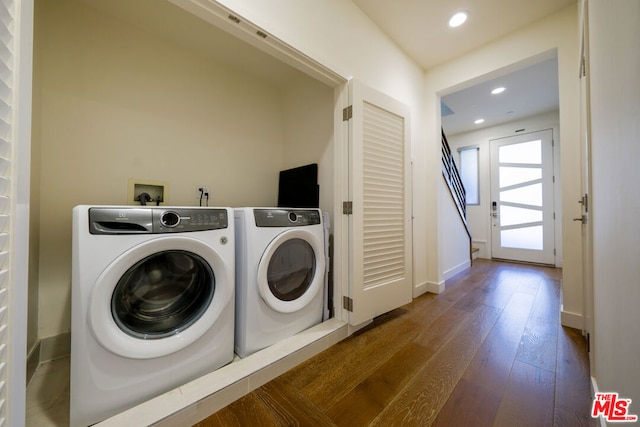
x=478, y=216
x=615, y=132
x=558, y=34
x=337, y=34
x=117, y=102
x=308, y=132
x=455, y=247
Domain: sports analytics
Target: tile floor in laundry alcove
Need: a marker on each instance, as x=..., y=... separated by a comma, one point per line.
x=48, y=394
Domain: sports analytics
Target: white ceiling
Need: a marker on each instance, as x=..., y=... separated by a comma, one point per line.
x=420, y=29
x=529, y=91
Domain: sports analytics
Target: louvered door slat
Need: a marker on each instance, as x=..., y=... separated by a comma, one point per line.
x=384, y=198
x=7, y=78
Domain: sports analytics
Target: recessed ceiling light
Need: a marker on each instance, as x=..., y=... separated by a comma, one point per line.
x=458, y=19
x=498, y=90
x=479, y=121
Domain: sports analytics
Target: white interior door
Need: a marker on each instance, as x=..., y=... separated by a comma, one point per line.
x=381, y=275
x=522, y=198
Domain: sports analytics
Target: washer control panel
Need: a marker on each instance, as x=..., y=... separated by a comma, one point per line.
x=286, y=217
x=151, y=220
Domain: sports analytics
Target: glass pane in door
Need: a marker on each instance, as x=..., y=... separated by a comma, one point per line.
x=525, y=152
x=526, y=195
x=510, y=215
x=511, y=175
x=522, y=238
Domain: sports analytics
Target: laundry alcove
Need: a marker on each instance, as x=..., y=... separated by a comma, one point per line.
x=147, y=90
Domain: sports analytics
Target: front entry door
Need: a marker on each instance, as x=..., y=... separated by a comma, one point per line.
x=522, y=198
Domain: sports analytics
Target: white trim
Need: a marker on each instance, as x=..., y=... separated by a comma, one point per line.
x=457, y=269
x=20, y=194
x=435, y=288
x=431, y=287
x=594, y=390
x=419, y=289
x=571, y=320
x=244, y=29
x=196, y=400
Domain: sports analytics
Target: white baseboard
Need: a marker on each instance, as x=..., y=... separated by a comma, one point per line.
x=435, y=288
x=594, y=390
x=419, y=289
x=571, y=320
x=457, y=269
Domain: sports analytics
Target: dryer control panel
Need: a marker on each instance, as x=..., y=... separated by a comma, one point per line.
x=286, y=217
x=127, y=220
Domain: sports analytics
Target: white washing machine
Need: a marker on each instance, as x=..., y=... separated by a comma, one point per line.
x=152, y=303
x=280, y=275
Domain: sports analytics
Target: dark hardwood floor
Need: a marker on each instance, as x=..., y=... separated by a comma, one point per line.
x=488, y=351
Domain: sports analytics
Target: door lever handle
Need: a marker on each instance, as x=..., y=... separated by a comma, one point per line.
x=582, y=219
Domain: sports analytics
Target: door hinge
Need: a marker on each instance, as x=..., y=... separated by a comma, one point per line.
x=347, y=303
x=584, y=201
x=554, y=251
x=347, y=113
x=347, y=208
x=554, y=178
x=554, y=215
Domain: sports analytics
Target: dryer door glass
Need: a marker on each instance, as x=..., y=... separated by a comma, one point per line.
x=162, y=294
x=291, y=269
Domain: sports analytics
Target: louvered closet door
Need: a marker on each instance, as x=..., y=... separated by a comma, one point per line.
x=381, y=223
x=16, y=29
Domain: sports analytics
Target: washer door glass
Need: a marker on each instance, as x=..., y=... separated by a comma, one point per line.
x=162, y=294
x=291, y=269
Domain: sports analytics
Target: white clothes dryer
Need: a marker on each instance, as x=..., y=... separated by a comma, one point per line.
x=152, y=304
x=280, y=275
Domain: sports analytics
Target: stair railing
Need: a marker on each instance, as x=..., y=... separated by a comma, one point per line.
x=456, y=187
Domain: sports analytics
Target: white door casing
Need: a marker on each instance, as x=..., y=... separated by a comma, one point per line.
x=380, y=228
x=16, y=47
x=587, y=226
x=522, y=198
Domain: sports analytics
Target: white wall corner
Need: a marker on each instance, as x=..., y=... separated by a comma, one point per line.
x=420, y=289
x=571, y=320
x=435, y=288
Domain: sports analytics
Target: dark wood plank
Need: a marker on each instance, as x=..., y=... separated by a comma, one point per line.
x=289, y=408
x=371, y=396
x=573, y=381
x=491, y=366
x=469, y=405
x=528, y=397
x=348, y=363
x=420, y=401
x=248, y=410
x=539, y=340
